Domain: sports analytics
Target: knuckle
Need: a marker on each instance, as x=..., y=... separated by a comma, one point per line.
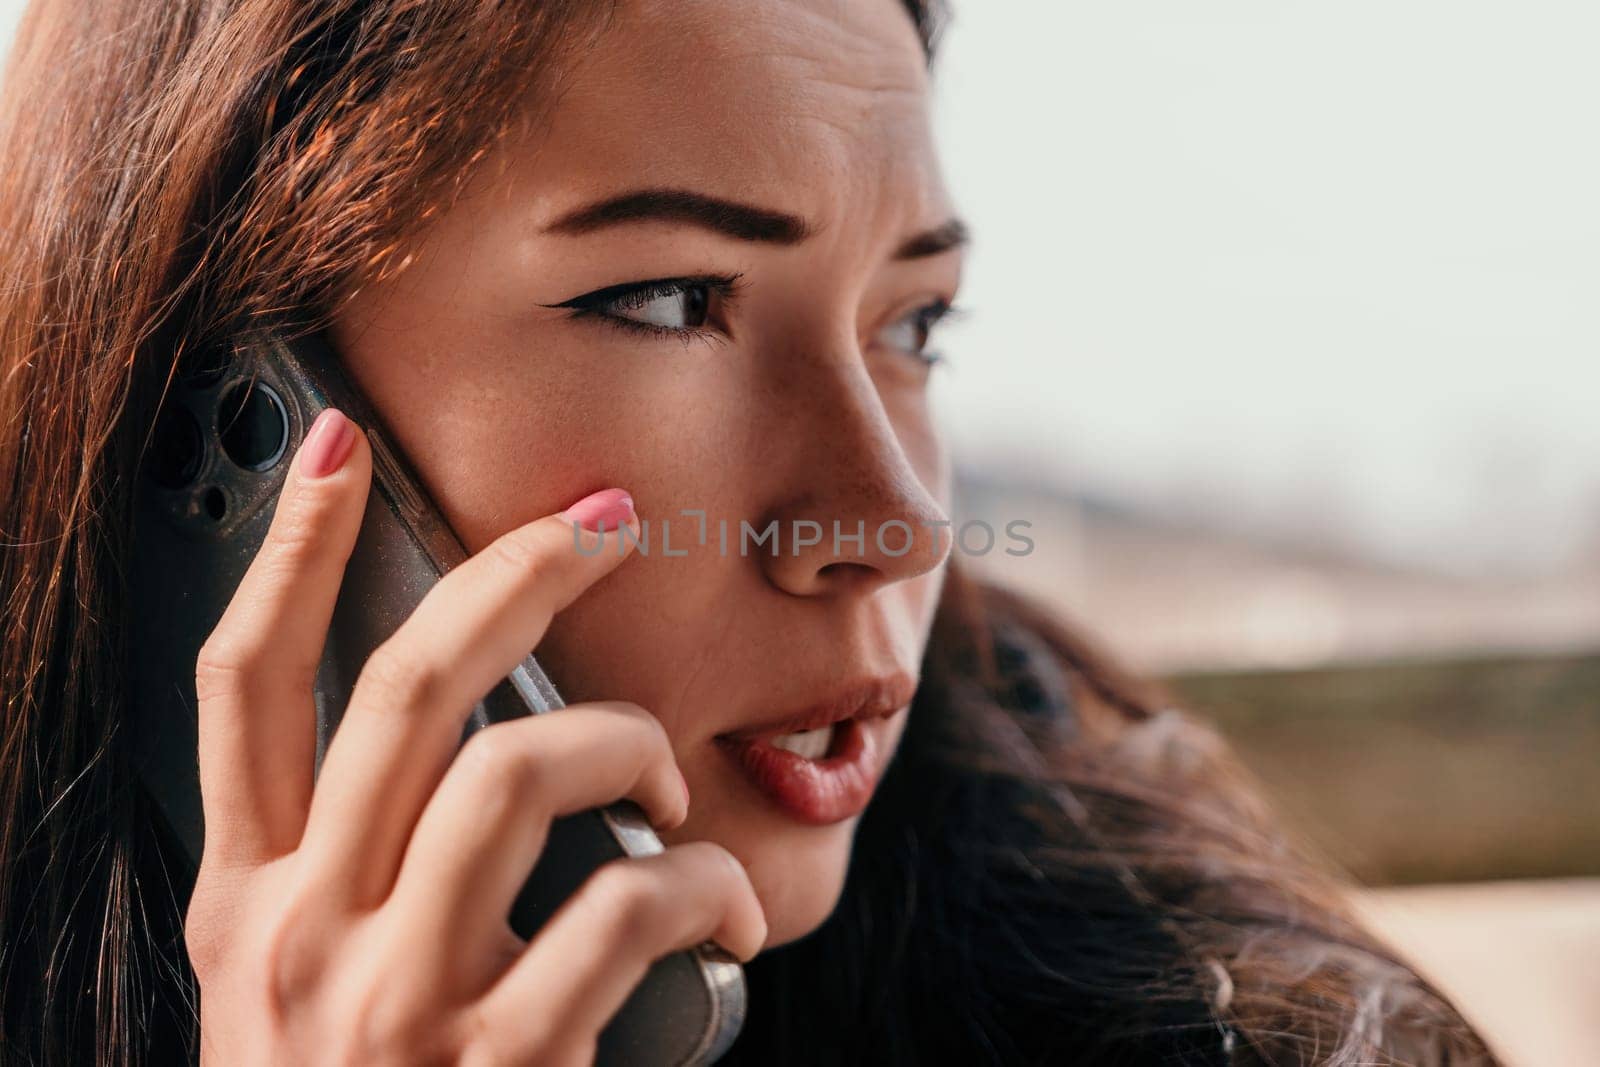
x=629, y=895
x=227, y=666
x=520, y=551
x=615, y=885
x=296, y=533
x=296, y=949
x=292, y=970
x=477, y=1037
x=718, y=869
x=289, y=550
x=204, y=933
x=505, y=769
x=401, y=680
x=641, y=727
x=727, y=899
x=641, y=718
x=280, y=945
x=390, y=1028
x=539, y=1040
x=223, y=666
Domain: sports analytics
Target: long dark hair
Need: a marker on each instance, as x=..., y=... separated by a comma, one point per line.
x=1057, y=866
x=1062, y=866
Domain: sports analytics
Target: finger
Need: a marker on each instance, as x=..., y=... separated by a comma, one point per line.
x=582, y=965
x=254, y=674
x=485, y=826
x=409, y=705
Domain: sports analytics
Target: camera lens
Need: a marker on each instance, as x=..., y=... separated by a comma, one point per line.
x=176, y=453
x=253, y=425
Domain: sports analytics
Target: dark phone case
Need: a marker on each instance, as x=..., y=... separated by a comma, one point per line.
x=192, y=545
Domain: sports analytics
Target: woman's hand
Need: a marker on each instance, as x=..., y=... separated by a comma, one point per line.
x=365, y=921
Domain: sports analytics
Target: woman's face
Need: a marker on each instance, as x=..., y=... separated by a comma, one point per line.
x=777, y=154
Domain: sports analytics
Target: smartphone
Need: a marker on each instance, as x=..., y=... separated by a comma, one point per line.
x=207, y=487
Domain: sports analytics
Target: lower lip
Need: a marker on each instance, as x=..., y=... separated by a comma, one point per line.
x=821, y=791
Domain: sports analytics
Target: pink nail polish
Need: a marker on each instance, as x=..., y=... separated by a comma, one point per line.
x=327, y=444
x=609, y=509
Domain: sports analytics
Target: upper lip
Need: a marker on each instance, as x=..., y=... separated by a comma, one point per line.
x=867, y=698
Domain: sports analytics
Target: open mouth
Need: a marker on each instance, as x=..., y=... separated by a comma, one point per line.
x=815, y=744
x=821, y=764
x=812, y=731
x=820, y=775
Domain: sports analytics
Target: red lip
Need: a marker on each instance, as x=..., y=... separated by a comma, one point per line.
x=839, y=785
x=870, y=698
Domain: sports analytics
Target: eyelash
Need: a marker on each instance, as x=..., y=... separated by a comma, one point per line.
x=726, y=287
x=635, y=294
x=933, y=313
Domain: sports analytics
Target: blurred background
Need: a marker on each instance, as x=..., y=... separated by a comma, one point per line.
x=1282, y=332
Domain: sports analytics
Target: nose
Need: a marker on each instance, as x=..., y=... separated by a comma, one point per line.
x=852, y=513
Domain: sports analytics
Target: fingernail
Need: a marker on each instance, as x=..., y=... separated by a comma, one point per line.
x=327, y=444
x=609, y=509
x=685, y=782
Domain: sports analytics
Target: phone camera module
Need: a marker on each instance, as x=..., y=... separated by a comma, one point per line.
x=216, y=504
x=253, y=425
x=177, y=451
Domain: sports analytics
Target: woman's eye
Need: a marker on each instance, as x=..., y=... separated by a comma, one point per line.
x=910, y=332
x=664, y=306
x=682, y=309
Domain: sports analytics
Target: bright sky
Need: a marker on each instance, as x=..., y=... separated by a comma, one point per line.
x=1310, y=266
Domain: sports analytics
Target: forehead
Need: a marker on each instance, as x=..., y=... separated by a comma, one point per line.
x=808, y=106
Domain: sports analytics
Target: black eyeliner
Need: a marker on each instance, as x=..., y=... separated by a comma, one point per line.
x=724, y=284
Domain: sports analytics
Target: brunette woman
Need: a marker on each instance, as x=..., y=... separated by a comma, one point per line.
x=590, y=262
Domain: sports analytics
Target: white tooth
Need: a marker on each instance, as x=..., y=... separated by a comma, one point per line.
x=807, y=744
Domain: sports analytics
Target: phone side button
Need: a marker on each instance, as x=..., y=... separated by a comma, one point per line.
x=387, y=469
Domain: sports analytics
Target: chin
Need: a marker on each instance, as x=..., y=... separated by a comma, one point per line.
x=798, y=874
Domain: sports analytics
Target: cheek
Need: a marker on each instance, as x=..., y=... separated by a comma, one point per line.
x=506, y=422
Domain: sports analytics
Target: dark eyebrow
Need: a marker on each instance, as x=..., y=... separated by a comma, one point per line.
x=952, y=234
x=744, y=222
x=741, y=221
